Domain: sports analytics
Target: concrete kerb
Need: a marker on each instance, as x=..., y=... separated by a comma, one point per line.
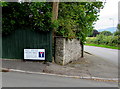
x=88, y=53
x=77, y=77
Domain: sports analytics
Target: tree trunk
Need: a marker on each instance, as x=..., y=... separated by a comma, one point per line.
x=55, y=11
x=54, y=17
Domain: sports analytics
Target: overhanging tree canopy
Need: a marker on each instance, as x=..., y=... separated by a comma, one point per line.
x=34, y=15
x=75, y=19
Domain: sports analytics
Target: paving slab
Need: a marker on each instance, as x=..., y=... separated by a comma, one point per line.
x=89, y=66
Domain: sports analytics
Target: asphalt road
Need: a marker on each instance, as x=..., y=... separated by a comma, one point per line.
x=106, y=53
x=15, y=79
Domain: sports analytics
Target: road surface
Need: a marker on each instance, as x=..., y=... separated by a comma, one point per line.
x=15, y=79
x=106, y=53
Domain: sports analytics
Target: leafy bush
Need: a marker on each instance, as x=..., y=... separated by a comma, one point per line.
x=106, y=33
x=117, y=33
x=104, y=40
x=34, y=15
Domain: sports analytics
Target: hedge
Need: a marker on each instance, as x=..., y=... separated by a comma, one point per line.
x=104, y=40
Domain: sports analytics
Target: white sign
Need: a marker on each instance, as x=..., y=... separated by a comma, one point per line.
x=34, y=54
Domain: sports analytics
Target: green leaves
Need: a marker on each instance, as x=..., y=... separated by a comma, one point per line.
x=34, y=15
x=76, y=19
x=104, y=40
x=3, y=3
x=117, y=32
x=106, y=33
x=118, y=27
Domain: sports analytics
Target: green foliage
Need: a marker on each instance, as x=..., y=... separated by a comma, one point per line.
x=106, y=33
x=117, y=33
x=104, y=40
x=118, y=27
x=76, y=19
x=3, y=3
x=93, y=33
x=34, y=15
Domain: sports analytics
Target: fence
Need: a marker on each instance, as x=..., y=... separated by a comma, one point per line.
x=13, y=45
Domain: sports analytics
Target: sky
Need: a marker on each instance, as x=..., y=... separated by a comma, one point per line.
x=108, y=15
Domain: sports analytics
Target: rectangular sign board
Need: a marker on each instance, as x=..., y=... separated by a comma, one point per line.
x=34, y=54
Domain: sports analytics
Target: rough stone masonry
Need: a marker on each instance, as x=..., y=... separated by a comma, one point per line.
x=66, y=50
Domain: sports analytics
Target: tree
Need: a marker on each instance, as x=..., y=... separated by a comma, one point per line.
x=118, y=26
x=117, y=32
x=54, y=19
x=76, y=19
x=94, y=33
x=34, y=15
x=3, y=3
x=106, y=33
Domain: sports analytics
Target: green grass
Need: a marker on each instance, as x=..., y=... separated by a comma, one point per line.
x=104, y=46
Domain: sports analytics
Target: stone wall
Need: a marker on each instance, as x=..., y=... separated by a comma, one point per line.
x=66, y=50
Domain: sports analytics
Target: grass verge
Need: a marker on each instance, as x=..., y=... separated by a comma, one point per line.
x=104, y=46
